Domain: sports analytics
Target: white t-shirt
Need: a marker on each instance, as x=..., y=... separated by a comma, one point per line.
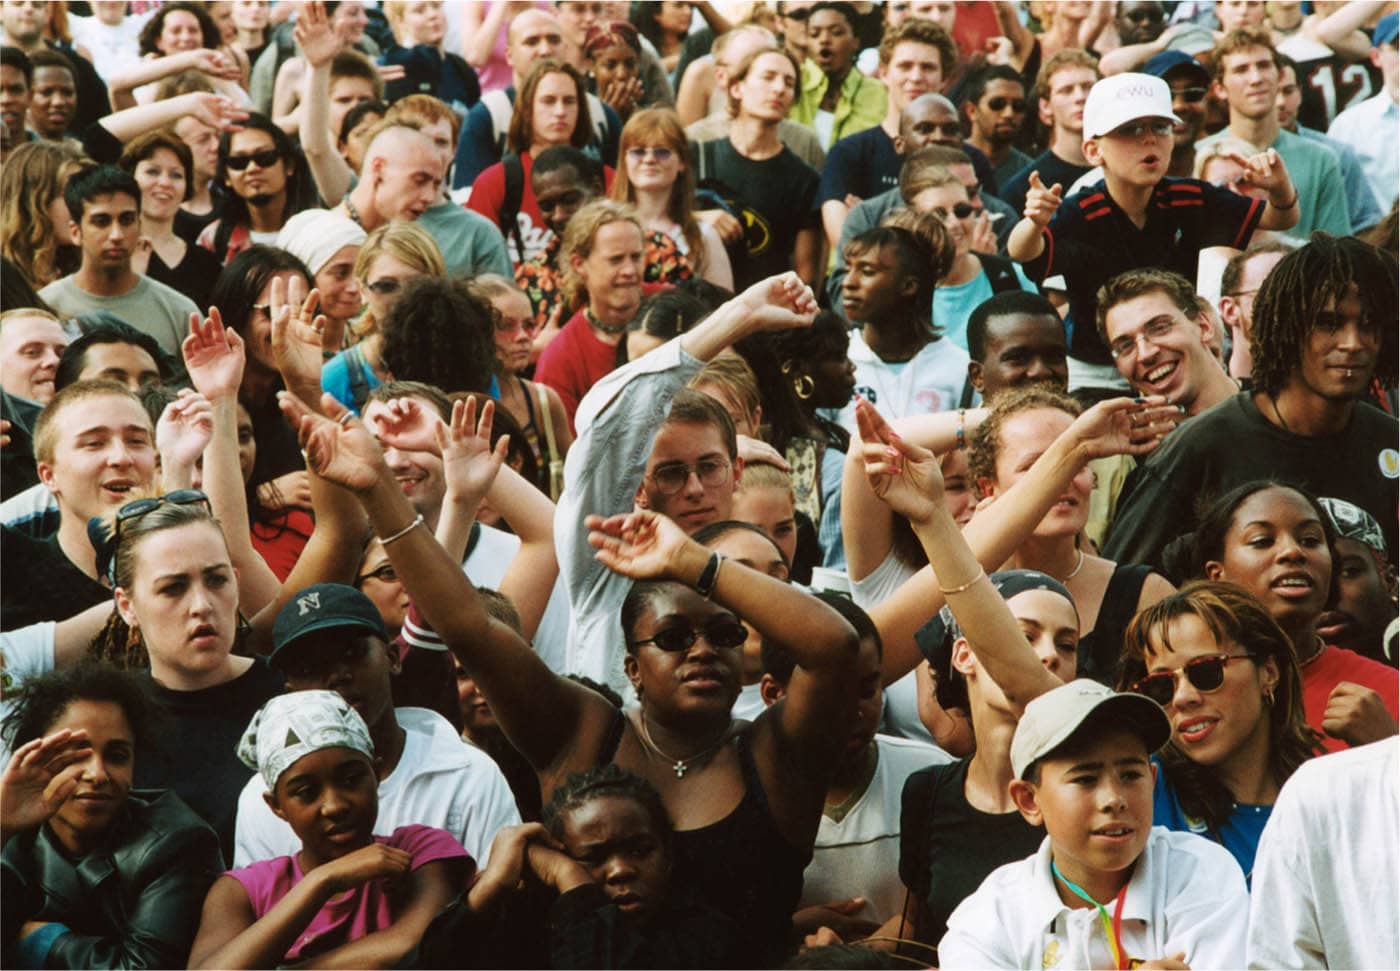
x=930, y=382
x=1187, y=894
x=114, y=49
x=486, y=565
x=1327, y=872
x=859, y=856
x=25, y=652
x=902, y=697
x=440, y=781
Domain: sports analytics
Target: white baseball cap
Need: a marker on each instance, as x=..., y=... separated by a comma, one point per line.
x=1122, y=98
x=1051, y=719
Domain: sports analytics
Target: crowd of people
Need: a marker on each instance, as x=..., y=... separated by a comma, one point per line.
x=801, y=483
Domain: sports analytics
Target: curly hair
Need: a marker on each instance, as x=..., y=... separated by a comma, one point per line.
x=1233, y=616
x=917, y=31
x=441, y=333
x=32, y=178
x=602, y=782
x=150, y=34
x=580, y=236
x=1306, y=286
x=662, y=126
x=984, y=444
x=40, y=702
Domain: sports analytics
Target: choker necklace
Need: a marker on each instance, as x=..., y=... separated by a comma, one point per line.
x=1321, y=646
x=680, y=766
x=1077, y=567
x=352, y=212
x=605, y=328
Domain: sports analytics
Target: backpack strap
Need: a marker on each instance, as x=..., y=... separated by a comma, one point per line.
x=498, y=105
x=1000, y=272
x=508, y=217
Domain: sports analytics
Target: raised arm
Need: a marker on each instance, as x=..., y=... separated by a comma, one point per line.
x=479, y=32
x=1022, y=40
x=1341, y=29
x=807, y=729
x=217, y=65
x=1026, y=241
x=319, y=44
x=1115, y=427
x=1268, y=171
x=214, y=358
x=183, y=431
x=215, y=110
x=512, y=677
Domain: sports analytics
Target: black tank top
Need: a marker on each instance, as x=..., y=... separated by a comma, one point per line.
x=1100, y=650
x=741, y=865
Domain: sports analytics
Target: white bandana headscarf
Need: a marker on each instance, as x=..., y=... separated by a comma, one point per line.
x=316, y=235
x=299, y=723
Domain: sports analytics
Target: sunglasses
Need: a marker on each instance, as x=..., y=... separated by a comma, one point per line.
x=1136, y=129
x=137, y=508
x=1145, y=15
x=801, y=15
x=1190, y=95
x=1206, y=673
x=723, y=633
x=640, y=154
x=266, y=159
x=999, y=104
x=960, y=211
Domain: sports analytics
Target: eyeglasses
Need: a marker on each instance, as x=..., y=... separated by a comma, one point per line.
x=1190, y=95
x=385, y=573
x=1155, y=329
x=386, y=287
x=722, y=633
x=1136, y=129
x=960, y=211
x=266, y=159
x=800, y=15
x=1205, y=673
x=640, y=153
x=999, y=104
x=672, y=478
x=1145, y=14
x=1242, y=293
x=141, y=507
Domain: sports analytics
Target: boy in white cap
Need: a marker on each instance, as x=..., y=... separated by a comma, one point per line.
x=1106, y=889
x=1139, y=217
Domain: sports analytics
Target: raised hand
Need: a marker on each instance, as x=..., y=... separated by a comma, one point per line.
x=319, y=44
x=40, y=775
x=1125, y=426
x=214, y=356
x=368, y=863
x=1041, y=202
x=336, y=444
x=182, y=434
x=405, y=424
x=781, y=302
x=548, y=332
x=982, y=238
x=298, y=332
x=1267, y=171
x=287, y=490
x=622, y=95
x=904, y=475
x=755, y=451
x=217, y=110
x=214, y=63
x=643, y=545
x=469, y=463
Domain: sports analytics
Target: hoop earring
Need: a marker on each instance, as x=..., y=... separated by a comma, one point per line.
x=1269, y=695
x=803, y=386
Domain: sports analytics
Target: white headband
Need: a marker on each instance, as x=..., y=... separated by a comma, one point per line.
x=316, y=235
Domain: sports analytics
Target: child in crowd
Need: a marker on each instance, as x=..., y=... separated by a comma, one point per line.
x=1081, y=761
x=348, y=898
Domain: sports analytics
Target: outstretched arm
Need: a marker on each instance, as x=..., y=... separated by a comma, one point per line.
x=219, y=67
x=319, y=44
x=215, y=110
x=512, y=677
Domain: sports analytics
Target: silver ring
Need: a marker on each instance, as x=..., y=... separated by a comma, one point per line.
x=345, y=419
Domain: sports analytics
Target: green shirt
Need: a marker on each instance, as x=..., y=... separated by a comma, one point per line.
x=862, y=103
x=1316, y=174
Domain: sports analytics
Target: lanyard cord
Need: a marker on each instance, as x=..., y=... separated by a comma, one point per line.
x=1112, y=929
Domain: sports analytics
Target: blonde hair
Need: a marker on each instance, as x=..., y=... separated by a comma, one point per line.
x=404, y=241
x=419, y=110
x=732, y=374
x=30, y=181
x=650, y=126
x=45, y=430
x=580, y=235
x=19, y=312
x=1226, y=146
x=761, y=475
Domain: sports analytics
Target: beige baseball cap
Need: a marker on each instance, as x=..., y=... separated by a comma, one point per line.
x=1051, y=719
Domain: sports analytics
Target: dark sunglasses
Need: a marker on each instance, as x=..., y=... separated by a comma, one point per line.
x=140, y=507
x=1190, y=95
x=721, y=633
x=266, y=159
x=802, y=14
x=960, y=211
x=1206, y=673
x=999, y=104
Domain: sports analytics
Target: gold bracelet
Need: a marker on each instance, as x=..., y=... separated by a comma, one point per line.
x=417, y=521
x=981, y=575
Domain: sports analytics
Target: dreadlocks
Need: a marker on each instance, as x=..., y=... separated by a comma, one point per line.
x=1310, y=282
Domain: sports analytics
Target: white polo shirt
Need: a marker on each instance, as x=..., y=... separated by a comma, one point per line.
x=440, y=781
x=1187, y=894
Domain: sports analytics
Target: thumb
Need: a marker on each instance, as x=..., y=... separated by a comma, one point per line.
x=1035, y=180
x=333, y=409
x=1057, y=190
x=847, y=907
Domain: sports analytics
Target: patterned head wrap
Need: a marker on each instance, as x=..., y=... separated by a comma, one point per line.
x=297, y=724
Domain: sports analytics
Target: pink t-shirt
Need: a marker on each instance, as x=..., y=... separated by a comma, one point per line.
x=1335, y=665
x=355, y=913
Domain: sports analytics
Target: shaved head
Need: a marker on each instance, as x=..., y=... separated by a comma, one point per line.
x=393, y=140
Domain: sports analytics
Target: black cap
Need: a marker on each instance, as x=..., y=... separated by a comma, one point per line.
x=324, y=606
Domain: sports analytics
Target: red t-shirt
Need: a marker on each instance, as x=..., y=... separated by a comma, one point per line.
x=280, y=544
x=1331, y=668
x=489, y=194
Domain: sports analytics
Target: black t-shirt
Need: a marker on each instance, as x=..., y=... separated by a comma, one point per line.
x=41, y=583
x=961, y=844
x=862, y=165
x=194, y=276
x=1233, y=443
x=774, y=199
x=1052, y=169
x=196, y=751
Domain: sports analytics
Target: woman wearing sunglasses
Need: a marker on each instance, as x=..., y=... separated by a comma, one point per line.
x=746, y=798
x=1277, y=542
x=654, y=175
x=966, y=285
x=1227, y=676
x=392, y=255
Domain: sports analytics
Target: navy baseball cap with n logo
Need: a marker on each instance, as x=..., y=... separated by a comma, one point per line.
x=324, y=606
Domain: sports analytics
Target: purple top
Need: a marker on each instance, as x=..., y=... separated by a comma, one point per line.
x=355, y=913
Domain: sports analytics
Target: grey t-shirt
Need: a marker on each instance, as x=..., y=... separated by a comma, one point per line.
x=150, y=307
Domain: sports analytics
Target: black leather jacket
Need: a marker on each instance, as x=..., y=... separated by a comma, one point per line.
x=134, y=902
